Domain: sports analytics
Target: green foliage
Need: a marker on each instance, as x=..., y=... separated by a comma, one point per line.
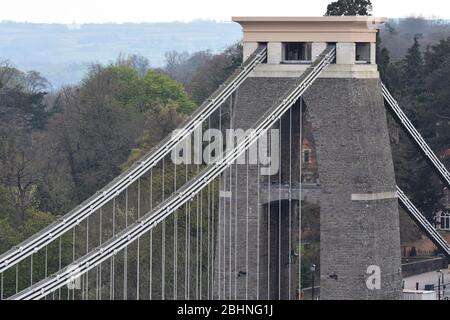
x=23, y=118
x=158, y=124
x=143, y=92
x=310, y=255
x=210, y=74
x=56, y=151
x=420, y=83
x=108, y=116
x=160, y=87
x=383, y=58
x=413, y=65
x=10, y=233
x=436, y=55
x=97, y=129
x=398, y=34
x=349, y=8
x=23, y=109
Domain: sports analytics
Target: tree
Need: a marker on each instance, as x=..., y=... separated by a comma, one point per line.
x=438, y=95
x=23, y=118
x=159, y=87
x=159, y=123
x=209, y=76
x=436, y=55
x=22, y=98
x=101, y=121
x=11, y=233
x=135, y=61
x=422, y=90
x=94, y=133
x=29, y=82
x=181, y=66
x=414, y=67
x=349, y=8
x=383, y=59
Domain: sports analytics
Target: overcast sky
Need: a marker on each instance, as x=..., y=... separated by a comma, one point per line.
x=98, y=11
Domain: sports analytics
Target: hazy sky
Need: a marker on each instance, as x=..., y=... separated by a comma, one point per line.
x=83, y=11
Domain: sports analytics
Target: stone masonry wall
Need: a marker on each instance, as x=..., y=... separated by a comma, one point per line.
x=354, y=156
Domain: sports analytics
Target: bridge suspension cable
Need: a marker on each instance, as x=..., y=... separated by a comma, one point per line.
x=442, y=171
x=186, y=193
x=416, y=137
x=423, y=223
x=123, y=181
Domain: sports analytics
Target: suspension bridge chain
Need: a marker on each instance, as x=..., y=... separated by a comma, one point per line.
x=416, y=137
x=122, y=182
x=423, y=223
x=183, y=196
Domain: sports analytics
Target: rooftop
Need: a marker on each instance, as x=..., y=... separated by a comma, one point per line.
x=311, y=29
x=322, y=19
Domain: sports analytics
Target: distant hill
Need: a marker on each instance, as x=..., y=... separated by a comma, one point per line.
x=62, y=53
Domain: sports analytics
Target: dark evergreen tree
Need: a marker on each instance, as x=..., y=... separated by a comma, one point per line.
x=349, y=8
x=383, y=60
x=421, y=90
x=436, y=55
x=413, y=67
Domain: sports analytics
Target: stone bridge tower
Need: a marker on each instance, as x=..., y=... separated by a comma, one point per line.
x=356, y=189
